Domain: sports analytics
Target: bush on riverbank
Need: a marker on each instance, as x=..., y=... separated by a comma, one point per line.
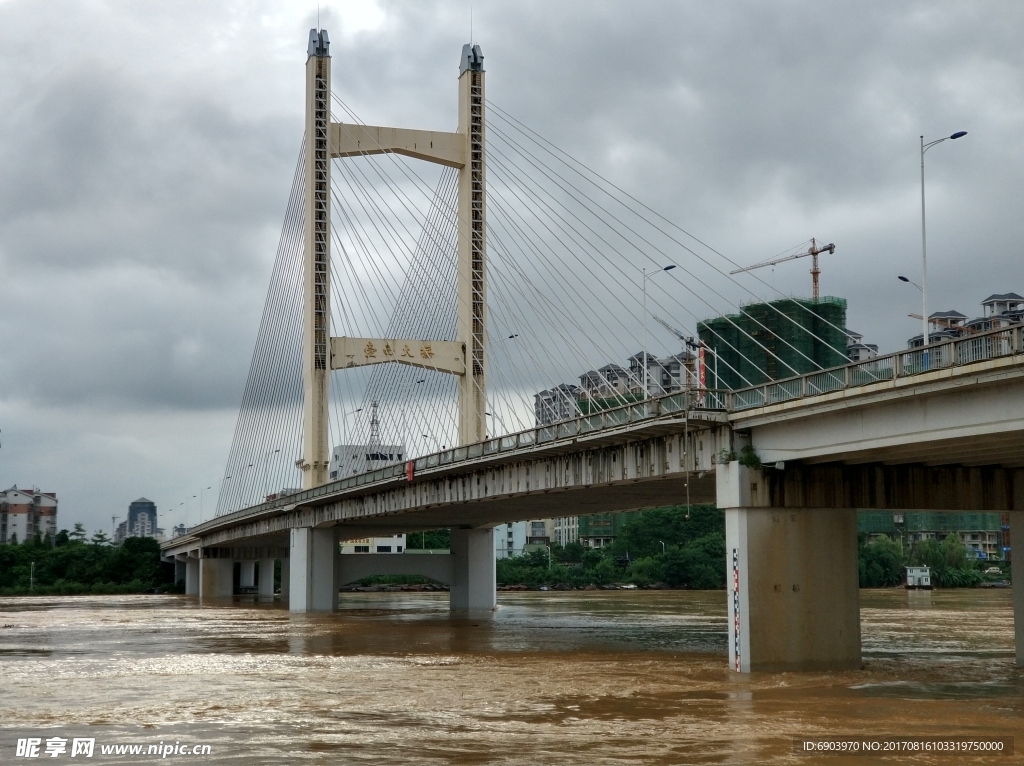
x=69, y=565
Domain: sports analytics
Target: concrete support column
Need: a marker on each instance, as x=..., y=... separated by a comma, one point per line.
x=247, y=574
x=192, y=577
x=792, y=580
x=266, y=578
x=216, y=578
x=474, y=577
x=312, y=565
x=1017, y=575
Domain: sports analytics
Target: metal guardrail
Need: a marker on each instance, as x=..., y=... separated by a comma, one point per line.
x=993, y=344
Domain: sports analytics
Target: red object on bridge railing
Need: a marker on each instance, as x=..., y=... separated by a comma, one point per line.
x=410, y=469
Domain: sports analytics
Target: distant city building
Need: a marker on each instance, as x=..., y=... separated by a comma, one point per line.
x=664, y=376
x=599, y=530
x=857, y=350
x=141, y=522
x=25, y=513
x=351, y=459
x=602, y=389
x=919, y=578
x=998, y=310
x=776, y=340
x=557, y=404
x=981, y=533
x=391, y=544
x=509, y=539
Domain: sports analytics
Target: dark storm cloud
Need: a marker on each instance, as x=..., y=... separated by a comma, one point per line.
x=146, y=152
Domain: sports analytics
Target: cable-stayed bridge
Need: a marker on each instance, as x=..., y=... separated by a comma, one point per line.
x=417, y=315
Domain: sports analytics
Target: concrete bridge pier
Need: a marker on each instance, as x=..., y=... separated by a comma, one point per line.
x=312, y=566
x=191, y=577
x=265, y=587
x=474, y=576
x=216, y=577
x=1017, y=564
x=247, y=574
x=792, y=580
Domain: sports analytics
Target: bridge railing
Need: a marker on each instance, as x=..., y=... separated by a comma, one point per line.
x=991, y=344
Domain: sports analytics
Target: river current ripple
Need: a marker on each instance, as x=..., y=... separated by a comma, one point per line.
x=607, y=677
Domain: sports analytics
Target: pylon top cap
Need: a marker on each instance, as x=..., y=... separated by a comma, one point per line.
x=472, y=59
x=319, y=43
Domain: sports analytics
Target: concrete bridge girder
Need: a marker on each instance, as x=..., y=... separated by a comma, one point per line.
x=945, y=417
x=637, y=474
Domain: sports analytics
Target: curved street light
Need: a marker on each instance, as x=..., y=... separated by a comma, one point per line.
x=646, y=276
x=924, y=248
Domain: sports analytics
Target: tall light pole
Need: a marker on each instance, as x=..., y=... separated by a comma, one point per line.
x=494, y=427
x=201, y=491
x=405, y=421
x=646, y=276
x=344, y=423
x=924, y=248
x=266, y=470
x=436, y=441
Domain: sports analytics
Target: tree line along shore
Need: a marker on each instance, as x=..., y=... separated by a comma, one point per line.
x=674, y=547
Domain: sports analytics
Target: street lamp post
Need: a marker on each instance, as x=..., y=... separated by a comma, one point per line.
x=646, y=276
x=924, y=249
x=266, y=470
x=201, y=491
x=405, y=422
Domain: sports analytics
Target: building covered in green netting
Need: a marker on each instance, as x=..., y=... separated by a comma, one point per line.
x=981, y=531
x=774, y=340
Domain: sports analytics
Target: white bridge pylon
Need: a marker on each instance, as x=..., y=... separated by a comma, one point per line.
x=463, y=149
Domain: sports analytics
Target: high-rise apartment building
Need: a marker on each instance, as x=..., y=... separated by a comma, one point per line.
x=141, y=522
x=25, y=513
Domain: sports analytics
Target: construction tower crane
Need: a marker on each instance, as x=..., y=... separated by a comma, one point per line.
x=812, y=251
x=687, y=339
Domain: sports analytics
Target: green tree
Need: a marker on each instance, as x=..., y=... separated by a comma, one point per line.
x=644, y=534
x=100, y=538
x=437, y=539
x=881, y=563
x=572, y=552
x=79, y=533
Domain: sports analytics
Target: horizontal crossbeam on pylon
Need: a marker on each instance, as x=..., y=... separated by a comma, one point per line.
x=350, y=140
x=442, y=356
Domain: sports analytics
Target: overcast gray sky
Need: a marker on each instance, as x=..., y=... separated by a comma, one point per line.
x=147, y=149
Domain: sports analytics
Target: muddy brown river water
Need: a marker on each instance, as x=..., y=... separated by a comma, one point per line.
x=608, y=677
